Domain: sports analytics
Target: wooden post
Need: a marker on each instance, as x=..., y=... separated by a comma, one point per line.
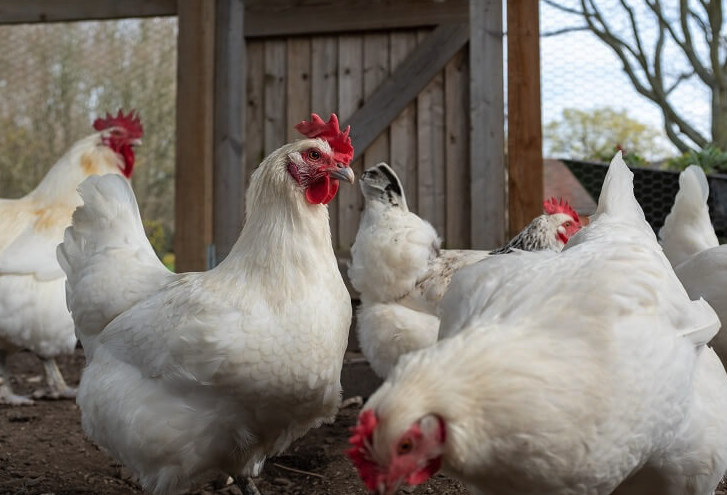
x=487, y=139
x=525, y=139
x=229, y=131
x=194, y=152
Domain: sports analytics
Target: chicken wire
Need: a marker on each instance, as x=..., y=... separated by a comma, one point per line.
x=55, y=78
x=579, y=71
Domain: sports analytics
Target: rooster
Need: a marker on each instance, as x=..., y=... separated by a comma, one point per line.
x=216, y=370
x=691, y=245
x=33, y=312
x=401, y=272
x=584, y=372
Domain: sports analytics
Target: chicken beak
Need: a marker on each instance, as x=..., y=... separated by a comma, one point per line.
x=342, y=173
x=135, y=142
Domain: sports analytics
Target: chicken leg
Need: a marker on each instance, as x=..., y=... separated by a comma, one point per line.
x=57, y=386
x=247, y=486
x=6, y=392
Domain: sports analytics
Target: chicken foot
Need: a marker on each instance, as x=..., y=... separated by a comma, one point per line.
x=57, y=386
x=247, y=486
x=6, y=392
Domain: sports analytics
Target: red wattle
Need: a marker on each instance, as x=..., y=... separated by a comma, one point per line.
x=322, y=192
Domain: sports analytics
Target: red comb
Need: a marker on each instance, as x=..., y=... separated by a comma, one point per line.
x=338, y=140
x=552, y=206
x=130, y=122
x=359, y=453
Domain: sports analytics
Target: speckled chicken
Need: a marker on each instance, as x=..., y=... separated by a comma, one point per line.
x=401, y=273
x=579, y=373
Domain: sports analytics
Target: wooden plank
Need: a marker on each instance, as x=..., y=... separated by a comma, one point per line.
x=403, y=128
x=525, y=140
x=457, y=142
x=254, y=152
x=275, y=129
x=487, y=140
x=350, y=95
x=324, y=97
x=25, y=11
x=405, y=83
x=286, y=17
x=229, y=180
x=431, y=176
x=195, y=145
x=375, y=71
x=299, y=88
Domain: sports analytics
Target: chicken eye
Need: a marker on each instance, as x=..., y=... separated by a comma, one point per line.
x=405, y=446
x=567, y=224
x=314, y=155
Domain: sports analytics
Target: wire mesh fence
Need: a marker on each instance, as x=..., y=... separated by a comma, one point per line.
x=55, y=78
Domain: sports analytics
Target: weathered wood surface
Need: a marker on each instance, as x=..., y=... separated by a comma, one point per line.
x=274, y=84
x=427, y=59
x=525, y=140
x=350, y=96
x=195, y=145
x=254, y=151
x=229, y=167
x=487, y=124
x=287, y=17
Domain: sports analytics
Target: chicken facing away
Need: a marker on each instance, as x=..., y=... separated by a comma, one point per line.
x=401, y=273
x=691, y=245
x=33, y=312
x=580, y=373
x=216, y=370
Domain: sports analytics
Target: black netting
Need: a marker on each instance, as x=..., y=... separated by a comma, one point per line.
x=655, y=191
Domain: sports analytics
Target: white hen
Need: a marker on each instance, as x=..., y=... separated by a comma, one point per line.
x=401, y=273
x=215, y=370
x=33, y=312
x=583, y=373
x=691, y=245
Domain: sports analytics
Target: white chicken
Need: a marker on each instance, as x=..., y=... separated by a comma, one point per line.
x=691, y=245
x=217, y=370
x=401, y=273
x=33, y=312
x=580, y=373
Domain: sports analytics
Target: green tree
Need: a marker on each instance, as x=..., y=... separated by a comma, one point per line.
x=595, y=134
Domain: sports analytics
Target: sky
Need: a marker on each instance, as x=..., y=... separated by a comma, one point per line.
x=579, y=71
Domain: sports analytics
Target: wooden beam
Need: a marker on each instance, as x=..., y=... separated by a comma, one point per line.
x=195, y=146
x=229, y=131
x=287, y=17
x=405, y=83
x=25, y=11
x=525, y=140
x=488, y=201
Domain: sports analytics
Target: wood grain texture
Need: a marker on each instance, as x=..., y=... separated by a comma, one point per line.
x=229, y=176
x=426, y=61
x=25, y=11
x=487, y=162
x=458, y=186
x=324, y=97
x=431, y=174
x=254, y=111
x=403, y=134
x=525, y=140
x=299, y=84
x=376, y=70
x=350, y=96
x=274, y=83
x=195, y=145
x=293, y=17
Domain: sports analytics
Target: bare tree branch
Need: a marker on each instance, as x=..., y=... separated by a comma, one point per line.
x=557, y=32
x=682, y=77
x=674, y=137
x=563, y=8
x=688, y=45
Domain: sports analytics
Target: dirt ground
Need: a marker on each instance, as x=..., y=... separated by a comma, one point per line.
x=43, y=451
